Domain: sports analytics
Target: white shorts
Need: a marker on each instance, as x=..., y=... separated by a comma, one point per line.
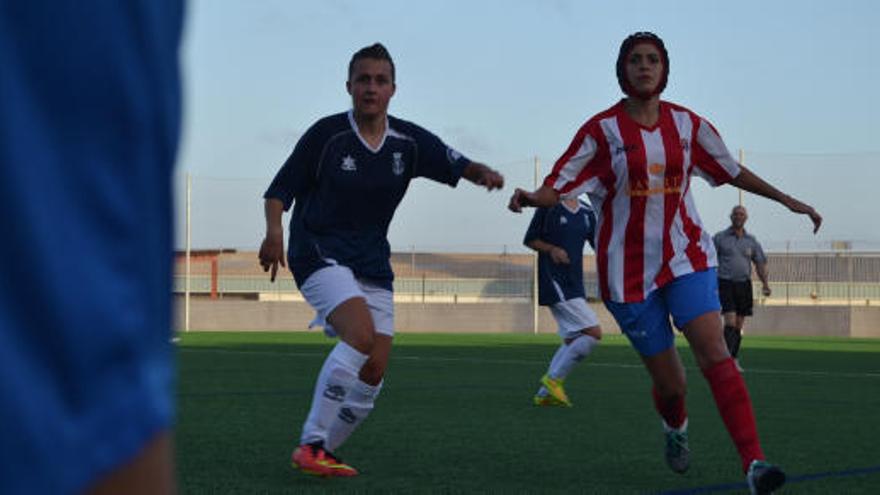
x=331, y=286
x=572, y=316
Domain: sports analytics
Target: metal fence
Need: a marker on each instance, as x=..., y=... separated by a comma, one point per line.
x=464, y=247
x=830, y=278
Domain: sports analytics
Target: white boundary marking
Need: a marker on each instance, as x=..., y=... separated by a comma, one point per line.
x=869, y=374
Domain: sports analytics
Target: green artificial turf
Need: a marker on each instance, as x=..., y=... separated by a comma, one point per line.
x=455, y=416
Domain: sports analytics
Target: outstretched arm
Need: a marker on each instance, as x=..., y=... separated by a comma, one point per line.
x=272, y=248
x=748, y=181
x=542, y=197
x=483, y=176
x=557, y=254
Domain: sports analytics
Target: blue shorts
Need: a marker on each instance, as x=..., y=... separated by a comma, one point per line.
x=646, y=323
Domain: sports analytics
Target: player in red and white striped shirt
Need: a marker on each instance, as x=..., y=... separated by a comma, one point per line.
x=655, y=259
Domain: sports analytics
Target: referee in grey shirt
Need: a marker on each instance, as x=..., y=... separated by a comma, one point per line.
x=737, y=250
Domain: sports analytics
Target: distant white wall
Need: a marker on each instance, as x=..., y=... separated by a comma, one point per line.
x=242, y=315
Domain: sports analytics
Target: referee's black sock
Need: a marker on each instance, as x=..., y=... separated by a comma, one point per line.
x=732, y=338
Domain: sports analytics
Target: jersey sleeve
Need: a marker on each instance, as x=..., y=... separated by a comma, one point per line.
x=758, y=255
x=577, y=170
x=536, y=226
x=712, y=159
x=298, y=174
x=436, y=160
x=591, y=226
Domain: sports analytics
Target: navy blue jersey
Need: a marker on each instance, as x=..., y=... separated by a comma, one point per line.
x=346, y=193
x=90, y=93
x=568, y=230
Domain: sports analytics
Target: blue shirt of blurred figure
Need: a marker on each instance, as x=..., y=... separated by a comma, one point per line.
x=90, y=98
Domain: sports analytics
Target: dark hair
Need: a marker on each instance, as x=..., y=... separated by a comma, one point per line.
x=375, y=51
x=627, y=45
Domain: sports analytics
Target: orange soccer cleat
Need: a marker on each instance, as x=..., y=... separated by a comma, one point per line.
x=311, y=458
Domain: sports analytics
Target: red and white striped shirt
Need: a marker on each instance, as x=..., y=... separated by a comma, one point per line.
x=638, y=180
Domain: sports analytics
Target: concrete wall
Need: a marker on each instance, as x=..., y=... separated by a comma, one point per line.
x=865, y=322
x=803, y=320
x=491, y=317
x=228, y=314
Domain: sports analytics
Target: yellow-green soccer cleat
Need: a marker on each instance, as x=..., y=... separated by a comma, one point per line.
x=554, y=387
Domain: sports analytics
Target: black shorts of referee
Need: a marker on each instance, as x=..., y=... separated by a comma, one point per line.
x=736, y=297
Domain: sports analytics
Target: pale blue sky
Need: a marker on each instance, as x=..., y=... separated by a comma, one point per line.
x=794, y=83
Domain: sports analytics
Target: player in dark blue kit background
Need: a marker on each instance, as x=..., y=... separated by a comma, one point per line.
x=558, y=234
x=346, y=176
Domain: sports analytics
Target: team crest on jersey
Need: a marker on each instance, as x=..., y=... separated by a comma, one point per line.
x=562, y=220
x=348, y=164
x=656, y=168
x=397, y=165
x=452, y=155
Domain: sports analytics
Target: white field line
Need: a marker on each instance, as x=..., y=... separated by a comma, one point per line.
x=588, y=363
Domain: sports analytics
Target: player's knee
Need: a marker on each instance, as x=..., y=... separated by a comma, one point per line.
x=595, y=332
x=710, y=361
x=671, y=386
x=710, y=355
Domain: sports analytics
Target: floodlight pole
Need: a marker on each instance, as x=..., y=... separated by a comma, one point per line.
x=535, y=267
x=742, y=161
x=188, y=252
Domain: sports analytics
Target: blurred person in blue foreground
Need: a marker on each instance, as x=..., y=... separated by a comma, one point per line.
x=737, y=251
x=347, y=175
x=655, y=260
x=90, y=93
x=558, y=235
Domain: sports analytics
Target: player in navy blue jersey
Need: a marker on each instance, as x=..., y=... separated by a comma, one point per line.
x=558, y=234
x=89, y=127
x=345, y=178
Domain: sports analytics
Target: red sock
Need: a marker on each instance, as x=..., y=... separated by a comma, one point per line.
x=735, y=407
x=671, y=410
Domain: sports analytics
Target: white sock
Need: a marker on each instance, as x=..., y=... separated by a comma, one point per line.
x=542, y=392
x=574, y=352
x=335, y=381
x=357, y=406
